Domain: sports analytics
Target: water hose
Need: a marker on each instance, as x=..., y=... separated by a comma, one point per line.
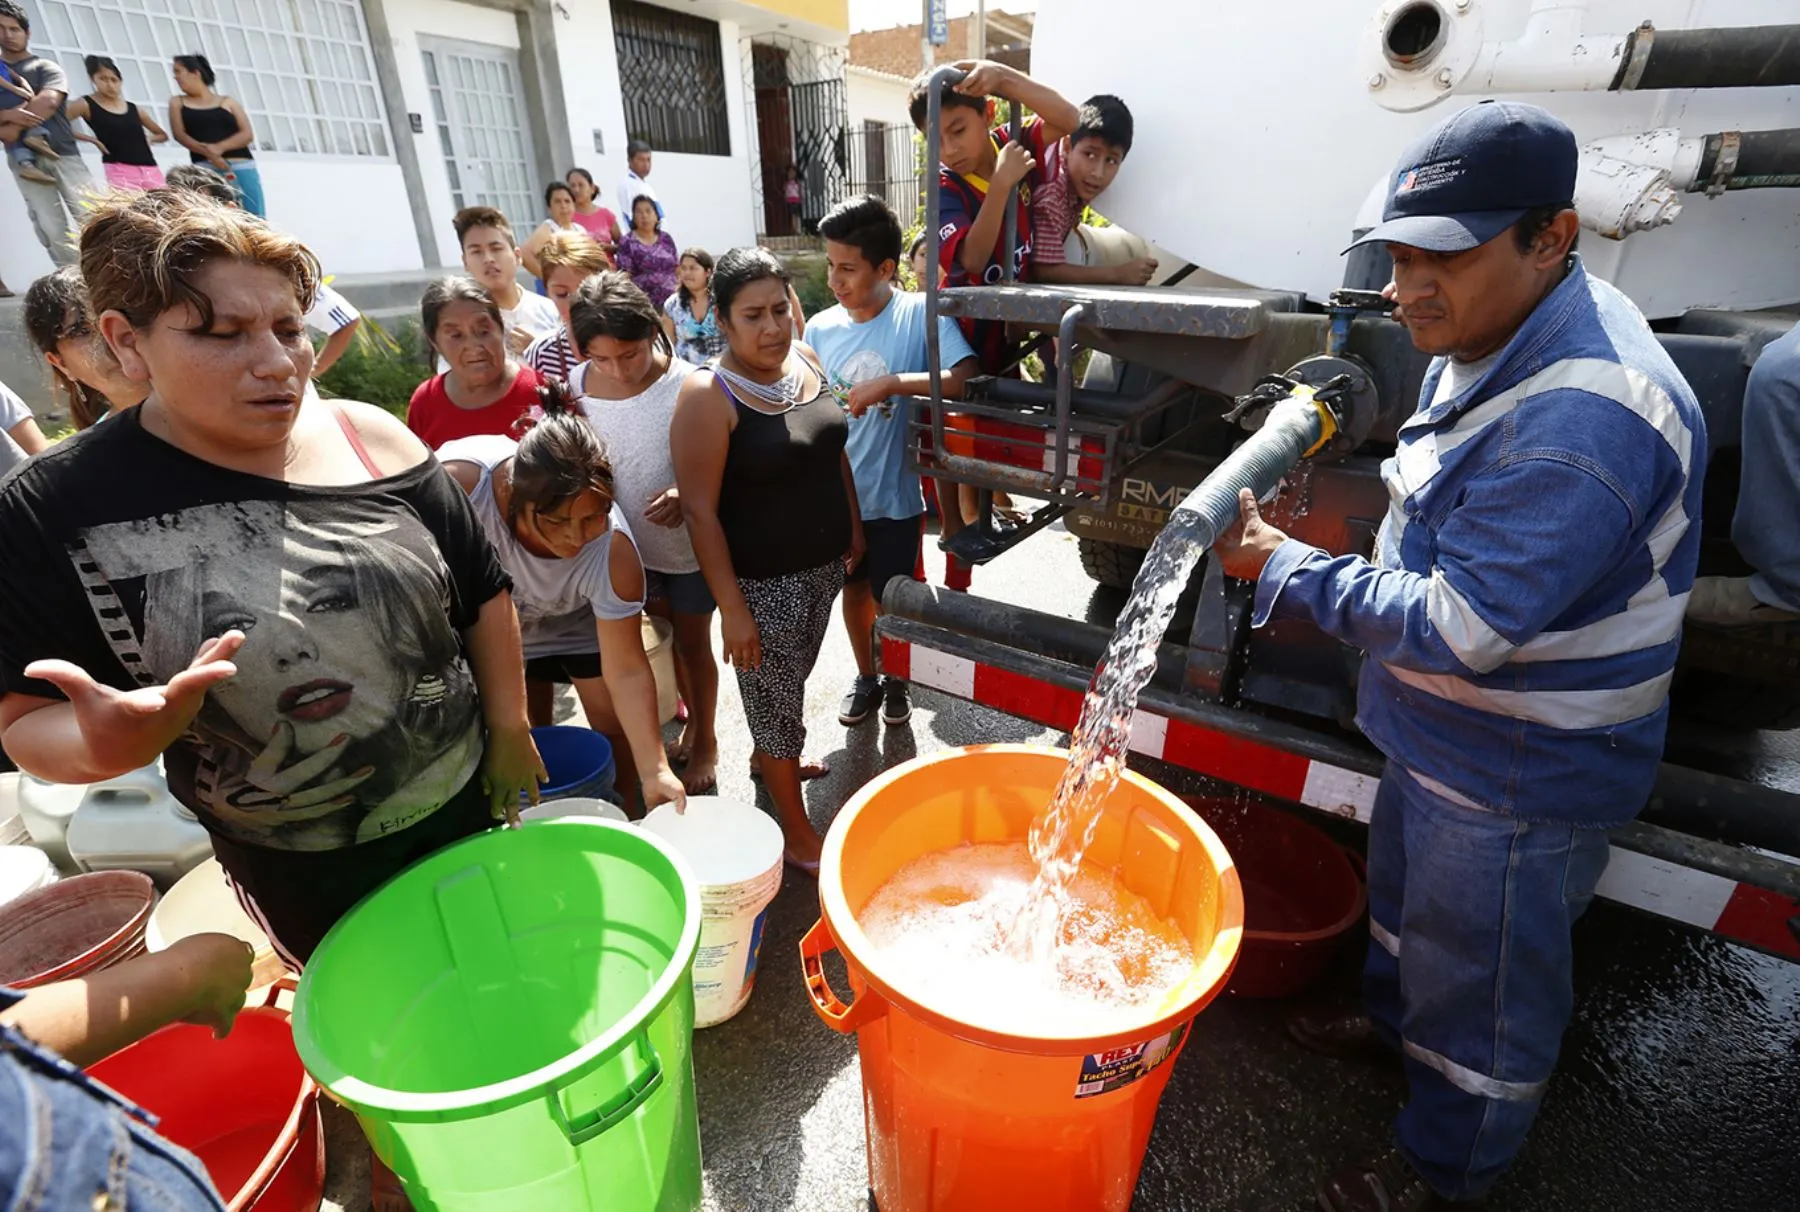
x=1299, y=424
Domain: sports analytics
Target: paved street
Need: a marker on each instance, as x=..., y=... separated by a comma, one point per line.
x=1679, y=1088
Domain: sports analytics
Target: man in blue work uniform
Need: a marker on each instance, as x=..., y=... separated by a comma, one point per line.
x=1521, y=619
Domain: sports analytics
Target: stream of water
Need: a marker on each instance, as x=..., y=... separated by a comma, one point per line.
x=1062, y=834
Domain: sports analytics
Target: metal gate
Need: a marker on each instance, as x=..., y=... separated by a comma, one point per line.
x=802, y=119
x=475, y=101
x=884, y=161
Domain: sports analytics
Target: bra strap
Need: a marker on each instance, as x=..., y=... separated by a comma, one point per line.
x=356, y=442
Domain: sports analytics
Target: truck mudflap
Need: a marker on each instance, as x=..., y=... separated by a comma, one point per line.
x=1747, y=895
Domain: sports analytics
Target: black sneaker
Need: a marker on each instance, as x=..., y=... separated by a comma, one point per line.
x=896, y=704
x=865, y=693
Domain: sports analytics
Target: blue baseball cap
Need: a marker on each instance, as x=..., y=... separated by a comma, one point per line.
x=1474, y=175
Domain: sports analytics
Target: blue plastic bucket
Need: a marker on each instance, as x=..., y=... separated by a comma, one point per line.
x=579, y=760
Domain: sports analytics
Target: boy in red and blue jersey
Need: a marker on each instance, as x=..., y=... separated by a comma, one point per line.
x=979, y=165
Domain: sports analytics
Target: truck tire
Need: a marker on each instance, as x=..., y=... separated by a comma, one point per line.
x=1111, y=564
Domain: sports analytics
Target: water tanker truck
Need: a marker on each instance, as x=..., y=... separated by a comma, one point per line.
x=1262, y=357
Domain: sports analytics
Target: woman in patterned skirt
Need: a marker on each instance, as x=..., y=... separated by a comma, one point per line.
x=771, y=509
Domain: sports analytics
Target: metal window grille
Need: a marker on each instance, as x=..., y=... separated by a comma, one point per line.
x=796, y=91
x=475, y=104
x=302, y=69
x=672, y=77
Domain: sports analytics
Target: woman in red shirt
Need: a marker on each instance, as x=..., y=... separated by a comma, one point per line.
x=482, y=392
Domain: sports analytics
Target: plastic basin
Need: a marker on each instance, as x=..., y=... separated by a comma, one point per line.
x=578, y=760
x=965, y=1117
x=74, y=926
x=511, y=1020
x=243, y=1105
x=1303, y=895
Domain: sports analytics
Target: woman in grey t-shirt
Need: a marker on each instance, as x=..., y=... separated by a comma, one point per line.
x=546, y=503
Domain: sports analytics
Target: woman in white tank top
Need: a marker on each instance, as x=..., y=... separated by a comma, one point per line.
x=627, y=388
x=548, y=505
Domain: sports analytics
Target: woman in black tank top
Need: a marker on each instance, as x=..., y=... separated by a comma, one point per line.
x=215, y=129
x=770, y=506
x=120, y=127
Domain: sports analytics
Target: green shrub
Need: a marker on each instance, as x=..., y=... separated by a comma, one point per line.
x=810, y=284
x=379, y=368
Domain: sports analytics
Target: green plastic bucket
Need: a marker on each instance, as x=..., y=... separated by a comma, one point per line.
x=511, y=1020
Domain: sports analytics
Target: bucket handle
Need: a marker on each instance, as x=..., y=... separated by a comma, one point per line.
x=585, y=1127
x=833, y=1011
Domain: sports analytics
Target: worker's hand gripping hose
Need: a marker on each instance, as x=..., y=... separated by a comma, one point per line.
x=1301, y=421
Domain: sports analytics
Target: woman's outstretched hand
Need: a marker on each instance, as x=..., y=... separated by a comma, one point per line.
x=125, y=729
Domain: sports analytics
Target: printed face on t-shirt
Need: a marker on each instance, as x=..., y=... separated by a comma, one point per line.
x=491, y=257
x=352, y=712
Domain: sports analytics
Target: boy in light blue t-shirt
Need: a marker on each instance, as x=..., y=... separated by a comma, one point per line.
x=872, y=346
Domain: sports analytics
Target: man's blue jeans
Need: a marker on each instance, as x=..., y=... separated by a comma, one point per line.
x=1469, y=969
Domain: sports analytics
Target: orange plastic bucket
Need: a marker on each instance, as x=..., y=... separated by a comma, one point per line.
x=962, y=1119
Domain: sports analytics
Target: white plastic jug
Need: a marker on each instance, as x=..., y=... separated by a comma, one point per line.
x=46, y=808
x=133, y=823
x=735, y=851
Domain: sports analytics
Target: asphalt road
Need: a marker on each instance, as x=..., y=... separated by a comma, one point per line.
x=1679, y=1087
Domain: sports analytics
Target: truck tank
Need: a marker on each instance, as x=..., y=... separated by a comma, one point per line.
x=1264, y=132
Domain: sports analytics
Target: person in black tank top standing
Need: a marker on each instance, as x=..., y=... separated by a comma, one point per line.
x=770, y=505
x=120, y=127
x=215, y=129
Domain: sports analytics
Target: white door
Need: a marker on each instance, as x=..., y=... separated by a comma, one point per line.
x=480, y=117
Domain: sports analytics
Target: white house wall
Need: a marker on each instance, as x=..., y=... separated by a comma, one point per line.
x=407, y=20
x=875, y=97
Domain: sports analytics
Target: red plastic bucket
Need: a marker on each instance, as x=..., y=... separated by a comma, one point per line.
x=1303, y=894
x=244, y=1105
x=74, y=927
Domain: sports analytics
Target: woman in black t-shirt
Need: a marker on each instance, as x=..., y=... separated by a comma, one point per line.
x=289, y=596
x=765, y=487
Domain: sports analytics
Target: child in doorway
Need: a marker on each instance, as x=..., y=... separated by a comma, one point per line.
x=873, y=349
x=1077, y=171
x=793, y=193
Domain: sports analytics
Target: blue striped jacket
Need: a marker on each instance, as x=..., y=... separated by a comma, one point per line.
x=1523, y=611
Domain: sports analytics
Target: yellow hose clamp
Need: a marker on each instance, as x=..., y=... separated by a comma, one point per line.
x=1328, y=426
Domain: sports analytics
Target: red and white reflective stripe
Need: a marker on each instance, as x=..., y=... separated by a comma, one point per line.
x=1698, y=898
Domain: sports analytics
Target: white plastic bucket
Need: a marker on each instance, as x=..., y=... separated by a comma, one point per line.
x=659, y=646
x=735, y=850
x=203, y=902
x=24, y=869
x=577, y=805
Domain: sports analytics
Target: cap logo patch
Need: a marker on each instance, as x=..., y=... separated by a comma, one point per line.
x=1430, y=176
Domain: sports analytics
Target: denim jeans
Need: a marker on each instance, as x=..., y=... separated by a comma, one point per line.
x=1769, y=493
x=1469, y=969
x=57, y=210
x=68, y=1142
x=247, y=179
